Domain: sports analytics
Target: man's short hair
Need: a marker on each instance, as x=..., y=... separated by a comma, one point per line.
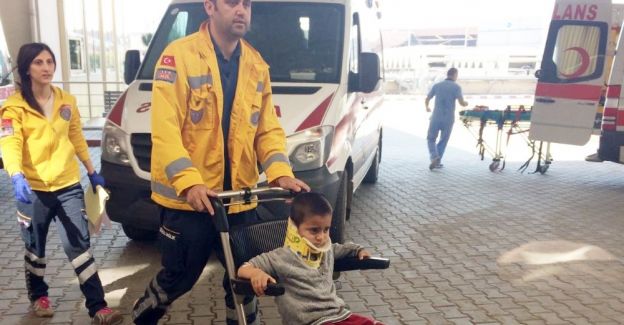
x=451, y=72
x=306, y=205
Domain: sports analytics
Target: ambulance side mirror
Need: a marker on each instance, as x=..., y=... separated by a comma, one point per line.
x=369, y=75
x=131, y=65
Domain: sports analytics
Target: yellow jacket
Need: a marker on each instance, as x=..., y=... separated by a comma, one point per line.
x=45, y=151
x=187, y=138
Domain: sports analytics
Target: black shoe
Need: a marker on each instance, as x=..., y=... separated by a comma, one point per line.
x=435, y=162
x=594, y=158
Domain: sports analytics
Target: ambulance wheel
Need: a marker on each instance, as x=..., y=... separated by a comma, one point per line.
x=543, y=169
x=139, y=234
x=373, y=171
x=337, y=232
x=494, y=166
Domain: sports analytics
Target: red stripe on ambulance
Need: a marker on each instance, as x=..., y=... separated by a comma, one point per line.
x=568, y=91
x=614, y=91
x=316, y=117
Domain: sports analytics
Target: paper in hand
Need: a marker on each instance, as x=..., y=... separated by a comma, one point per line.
x=95, y=205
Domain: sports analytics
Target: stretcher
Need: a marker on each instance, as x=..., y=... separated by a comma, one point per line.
x=241, y=243
x=513, y=120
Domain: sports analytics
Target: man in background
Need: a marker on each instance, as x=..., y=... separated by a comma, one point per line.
x=443, y=117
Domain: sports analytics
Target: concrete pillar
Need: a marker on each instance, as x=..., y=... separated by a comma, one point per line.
x=35, y=21
x=50, y=29
x=16, y=19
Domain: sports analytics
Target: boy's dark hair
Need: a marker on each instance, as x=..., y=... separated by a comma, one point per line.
x=309, y=204
x=451, y=72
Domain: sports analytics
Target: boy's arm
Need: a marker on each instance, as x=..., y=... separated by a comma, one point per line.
x=259, y=270
x=346, y=250
x=258, y=278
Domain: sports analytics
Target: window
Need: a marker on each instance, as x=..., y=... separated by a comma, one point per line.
x=301, y=42
x=75, y=54
x=179, y=28
x=574, y=52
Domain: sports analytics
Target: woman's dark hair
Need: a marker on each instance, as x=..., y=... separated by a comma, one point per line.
x=27, y=53
x=309, y=204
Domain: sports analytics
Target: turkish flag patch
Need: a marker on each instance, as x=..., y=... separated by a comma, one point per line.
x=7, y=127
x=168, y=60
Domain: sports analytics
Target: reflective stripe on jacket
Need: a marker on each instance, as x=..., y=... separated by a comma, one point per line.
x=44, y=150
x=187, y=137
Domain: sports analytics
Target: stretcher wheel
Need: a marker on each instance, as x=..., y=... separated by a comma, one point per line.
x=494, y=166
x=543, y=169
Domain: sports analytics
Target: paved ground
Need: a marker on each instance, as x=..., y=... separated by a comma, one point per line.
x=467, y=246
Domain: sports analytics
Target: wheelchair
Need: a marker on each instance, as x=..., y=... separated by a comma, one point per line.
x=241, y=243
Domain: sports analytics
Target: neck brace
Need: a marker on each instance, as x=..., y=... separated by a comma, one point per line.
x=310, y=254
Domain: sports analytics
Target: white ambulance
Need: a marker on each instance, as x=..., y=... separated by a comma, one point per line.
x=325, y=64
x=576, y=63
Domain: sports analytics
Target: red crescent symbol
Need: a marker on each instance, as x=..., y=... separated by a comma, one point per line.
x=584, y=62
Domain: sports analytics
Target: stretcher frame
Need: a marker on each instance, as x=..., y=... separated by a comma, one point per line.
x=516, y=119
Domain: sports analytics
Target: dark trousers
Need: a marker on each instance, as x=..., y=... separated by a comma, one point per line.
x=186, y=240
x=66, y=207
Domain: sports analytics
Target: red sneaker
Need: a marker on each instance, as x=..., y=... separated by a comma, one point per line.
x=41, y=307
x=107, y=316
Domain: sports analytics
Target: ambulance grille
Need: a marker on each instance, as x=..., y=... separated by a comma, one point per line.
x=142, y=149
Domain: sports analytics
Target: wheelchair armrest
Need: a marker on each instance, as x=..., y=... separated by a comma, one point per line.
x=353, y=263
x=243, y=287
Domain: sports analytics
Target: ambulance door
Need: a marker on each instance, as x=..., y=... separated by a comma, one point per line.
x=571, y=76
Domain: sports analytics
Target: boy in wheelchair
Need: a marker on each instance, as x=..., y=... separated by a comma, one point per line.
x=304, y=266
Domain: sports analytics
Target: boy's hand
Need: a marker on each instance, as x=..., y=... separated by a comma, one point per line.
x=259, y=282
x=363, y=254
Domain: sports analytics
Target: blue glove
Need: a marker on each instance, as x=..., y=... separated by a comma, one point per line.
x=21, y=188
x=96, y=180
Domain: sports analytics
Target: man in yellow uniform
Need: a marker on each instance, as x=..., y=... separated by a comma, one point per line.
x=213, y=119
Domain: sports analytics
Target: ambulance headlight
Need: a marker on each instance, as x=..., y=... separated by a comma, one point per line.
x=310, y=148
x=114, y=148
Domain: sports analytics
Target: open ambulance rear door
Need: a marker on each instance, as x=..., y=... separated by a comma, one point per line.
x=612, y=136
x=571, y=76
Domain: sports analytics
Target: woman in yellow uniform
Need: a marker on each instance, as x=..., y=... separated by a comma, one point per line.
x=40, y=138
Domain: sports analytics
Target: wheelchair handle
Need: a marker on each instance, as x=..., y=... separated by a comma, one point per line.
x=354, y=263
x=274, y=290
x=243, y=287
x=272, y=192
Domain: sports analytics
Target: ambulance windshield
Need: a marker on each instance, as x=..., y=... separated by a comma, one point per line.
x=301, y=42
